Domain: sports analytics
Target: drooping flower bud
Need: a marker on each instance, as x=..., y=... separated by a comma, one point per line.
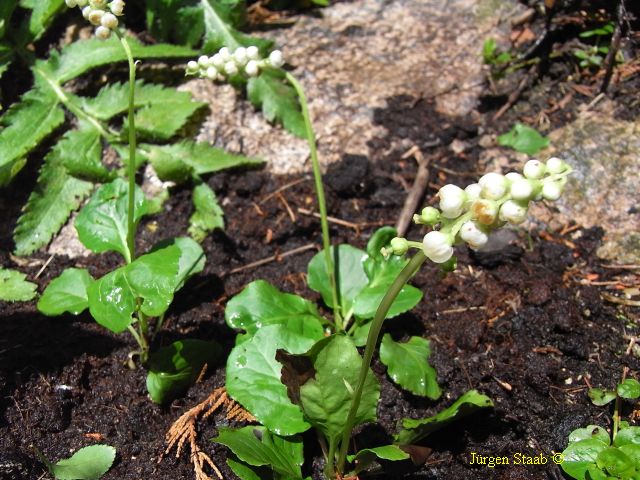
x=103, y=33
x=513, y=212
x=230, y=68
x=555, y=165
x=192, y=67
x=224, y=54
x=534, y=169
x=494, y=186
x=437, y=246
x=473, y=192
x=117, y=7
x=252, y=69
x=551, y=190
x=109, y=21
x=484, y=211
x=452, y=200
x=275, y=59
x=203, y=61
x=253, y=53
x=521, y=190
x=95, y=17
x=71, y=3
x=471, y=233
x=240, y=56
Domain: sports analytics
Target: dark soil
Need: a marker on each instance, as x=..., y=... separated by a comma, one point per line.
x=519, y=324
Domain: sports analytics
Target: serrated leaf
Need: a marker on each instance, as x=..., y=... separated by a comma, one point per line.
x=88, y=463
x=175, y=21
x=261, y=304
x=102, y=223
x=182, y=161
x=163, y=120
x=67, y=293
x=258, y=447
x=192, y=258
x=349, y=273
x=413, y=430
x=56, y=195
x=208, y=214
x=253, y=378
x=523, y=138
x=278, y=100
x=173, y=369
x=408, y=365
x=151, y=278
x=6, y=10
x=26, y=124
x=81, y=56
x=14, y=286
x=326, y=398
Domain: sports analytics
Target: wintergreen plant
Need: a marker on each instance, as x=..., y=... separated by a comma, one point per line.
x=88, y=463
x=593, y=453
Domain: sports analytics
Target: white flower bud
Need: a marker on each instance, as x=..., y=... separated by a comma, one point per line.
x=82, y=3
x=203, y=61
x=253, y=53
x=513, y=176
x=534, y=169
x=212, y=73
x=513, y=212
x=521, y=190
x=473, y=191
x=86, y=11
x=71, y=3
x=452, y=201
x=473, y=235
x=252, y=69
x=103, y=33
x=240, y=56
x=98, y=4
x=555, y=165
x=217, y=61
x=224, y=54
x=117, y=7
x=494, y=186
x=484, y=211
x=109, y=21
x=275, y=59
x=437, y=247
x=230, y=68
x=192, y=67
x=551, y=190
x=95, y=17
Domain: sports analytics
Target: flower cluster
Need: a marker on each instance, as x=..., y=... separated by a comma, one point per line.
x=100, y=13
x=225, y=64
x=469, y=214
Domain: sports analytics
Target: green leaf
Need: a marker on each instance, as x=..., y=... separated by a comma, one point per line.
x=326, y=398
x=253, y=378
x=67, y=293
x=14, y=286
x=632, y=450
x=349, y=272
x=408, y=365
x=175, y=21
x=601, y=397
x=57, y=193
x=415, y=430
x=181, y=161
x=6, y=10
x=6, y=54
x=81, y=154
x=26, y=124
x=42, y=15
x=247, y=472
x=261, y=304
x=102, y=223
x=367, y=456
x=81, y=56
x=152, y=277
x=257, y=446
x=278, y=100
x=579, y=456
x=88, y=463
x=173, y=369
x=523, y=138
x=629, y=389
x=163, y=120
x=627, y=436
x=614, y=462
x=590, y=432
x=192, y=258
x=207, y=215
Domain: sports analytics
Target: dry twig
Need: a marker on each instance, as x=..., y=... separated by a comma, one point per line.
x=417, y=191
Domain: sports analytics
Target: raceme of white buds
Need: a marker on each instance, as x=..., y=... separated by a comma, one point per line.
x=468, y=215
x=100, y=13
x=242, y=61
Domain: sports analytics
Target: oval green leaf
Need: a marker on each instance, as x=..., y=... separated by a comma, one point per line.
x=88, y=463
x=580, y=456
x=601, y=397
x=614, y=462
x=629, y=389
x=590, y=432
x=627, y=436
x=67, y=293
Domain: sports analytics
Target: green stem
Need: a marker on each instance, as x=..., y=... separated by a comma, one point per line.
x=317, y=175
x=329, y=469
x=131, y=171
x=376, y=325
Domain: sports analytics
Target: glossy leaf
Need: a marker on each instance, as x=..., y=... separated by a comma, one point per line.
x=261, y=304
x=579, y=456
x=590, y=432
x=349, y=271
x=173, y=369
x=413, y=430
x=601, y=397
x=408, y=365
x=615, y=462
x=14, y=286
x=247, y=472
x=207, y=215
x=627, y=436
x=192, y=258
x=185, y=160
x=629, y=389
x=257, y=446
x=67, y=293
x=88, y=463
x=326, y=398
x=367, y=456
x=632, y=450
x=278, y=100
x=524, y=139
x=102, y=223
x=253, y=378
